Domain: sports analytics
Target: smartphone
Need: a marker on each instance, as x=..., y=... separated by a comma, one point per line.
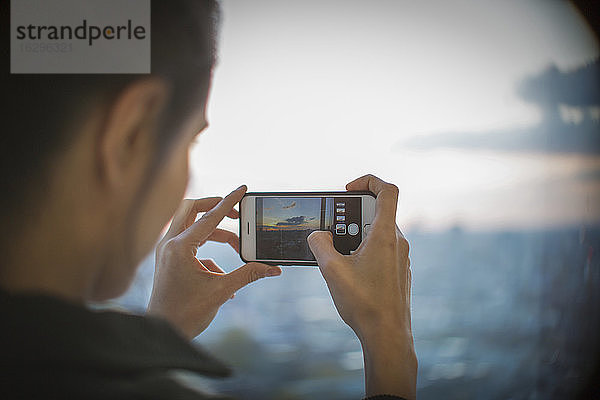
x=274, y=225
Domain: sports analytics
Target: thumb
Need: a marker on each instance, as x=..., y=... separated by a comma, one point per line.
x=249, y=273
x=321, y=244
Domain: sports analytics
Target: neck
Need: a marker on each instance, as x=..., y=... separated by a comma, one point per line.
x=51, y=258
x=47, y=270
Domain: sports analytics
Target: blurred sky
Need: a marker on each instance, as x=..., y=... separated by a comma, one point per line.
x=308, y=95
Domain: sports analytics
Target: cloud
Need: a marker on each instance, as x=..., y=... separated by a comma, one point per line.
x=558, y=95
x=590, y=175
x=578, y=87
x=549, y=138
x=294, y=221
x=290, y=206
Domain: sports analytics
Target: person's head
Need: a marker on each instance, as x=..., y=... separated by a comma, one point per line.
x=93, y=166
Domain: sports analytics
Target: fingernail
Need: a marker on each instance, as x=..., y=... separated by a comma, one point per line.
x=242, y=186
x=273, y=272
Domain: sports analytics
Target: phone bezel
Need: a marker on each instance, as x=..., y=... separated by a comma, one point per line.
x=367, y=218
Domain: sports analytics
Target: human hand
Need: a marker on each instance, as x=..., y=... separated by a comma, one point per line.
x=188, y=292
x=371, y=290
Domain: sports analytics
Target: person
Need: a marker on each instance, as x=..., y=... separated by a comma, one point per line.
x=93, y=168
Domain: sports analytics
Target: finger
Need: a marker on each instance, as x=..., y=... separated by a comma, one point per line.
x=186, y=214
x=225, y=236
x=212, y=266
x=387, y=198
x=399, y=235
x=409, y=278
x=367, y=182
x=409, y=293
x=201, y=229
x=249, y=273
x=321, y=245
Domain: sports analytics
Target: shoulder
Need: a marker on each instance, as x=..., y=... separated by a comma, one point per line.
x=52, y=346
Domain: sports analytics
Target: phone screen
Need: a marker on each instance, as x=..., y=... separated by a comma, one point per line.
x=284, y=223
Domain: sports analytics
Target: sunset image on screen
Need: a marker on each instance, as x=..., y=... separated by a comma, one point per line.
x=292, y=214
x=284, y=223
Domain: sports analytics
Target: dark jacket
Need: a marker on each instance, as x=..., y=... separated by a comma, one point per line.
x=55, y=349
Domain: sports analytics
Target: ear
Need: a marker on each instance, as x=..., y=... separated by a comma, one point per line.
x=126, y=137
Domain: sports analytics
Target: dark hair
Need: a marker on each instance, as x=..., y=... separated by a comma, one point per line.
x=41, y=113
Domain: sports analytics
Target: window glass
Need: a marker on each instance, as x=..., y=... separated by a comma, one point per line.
x=486, y=115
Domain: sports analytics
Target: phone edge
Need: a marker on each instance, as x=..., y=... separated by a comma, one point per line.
x=291, y=194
